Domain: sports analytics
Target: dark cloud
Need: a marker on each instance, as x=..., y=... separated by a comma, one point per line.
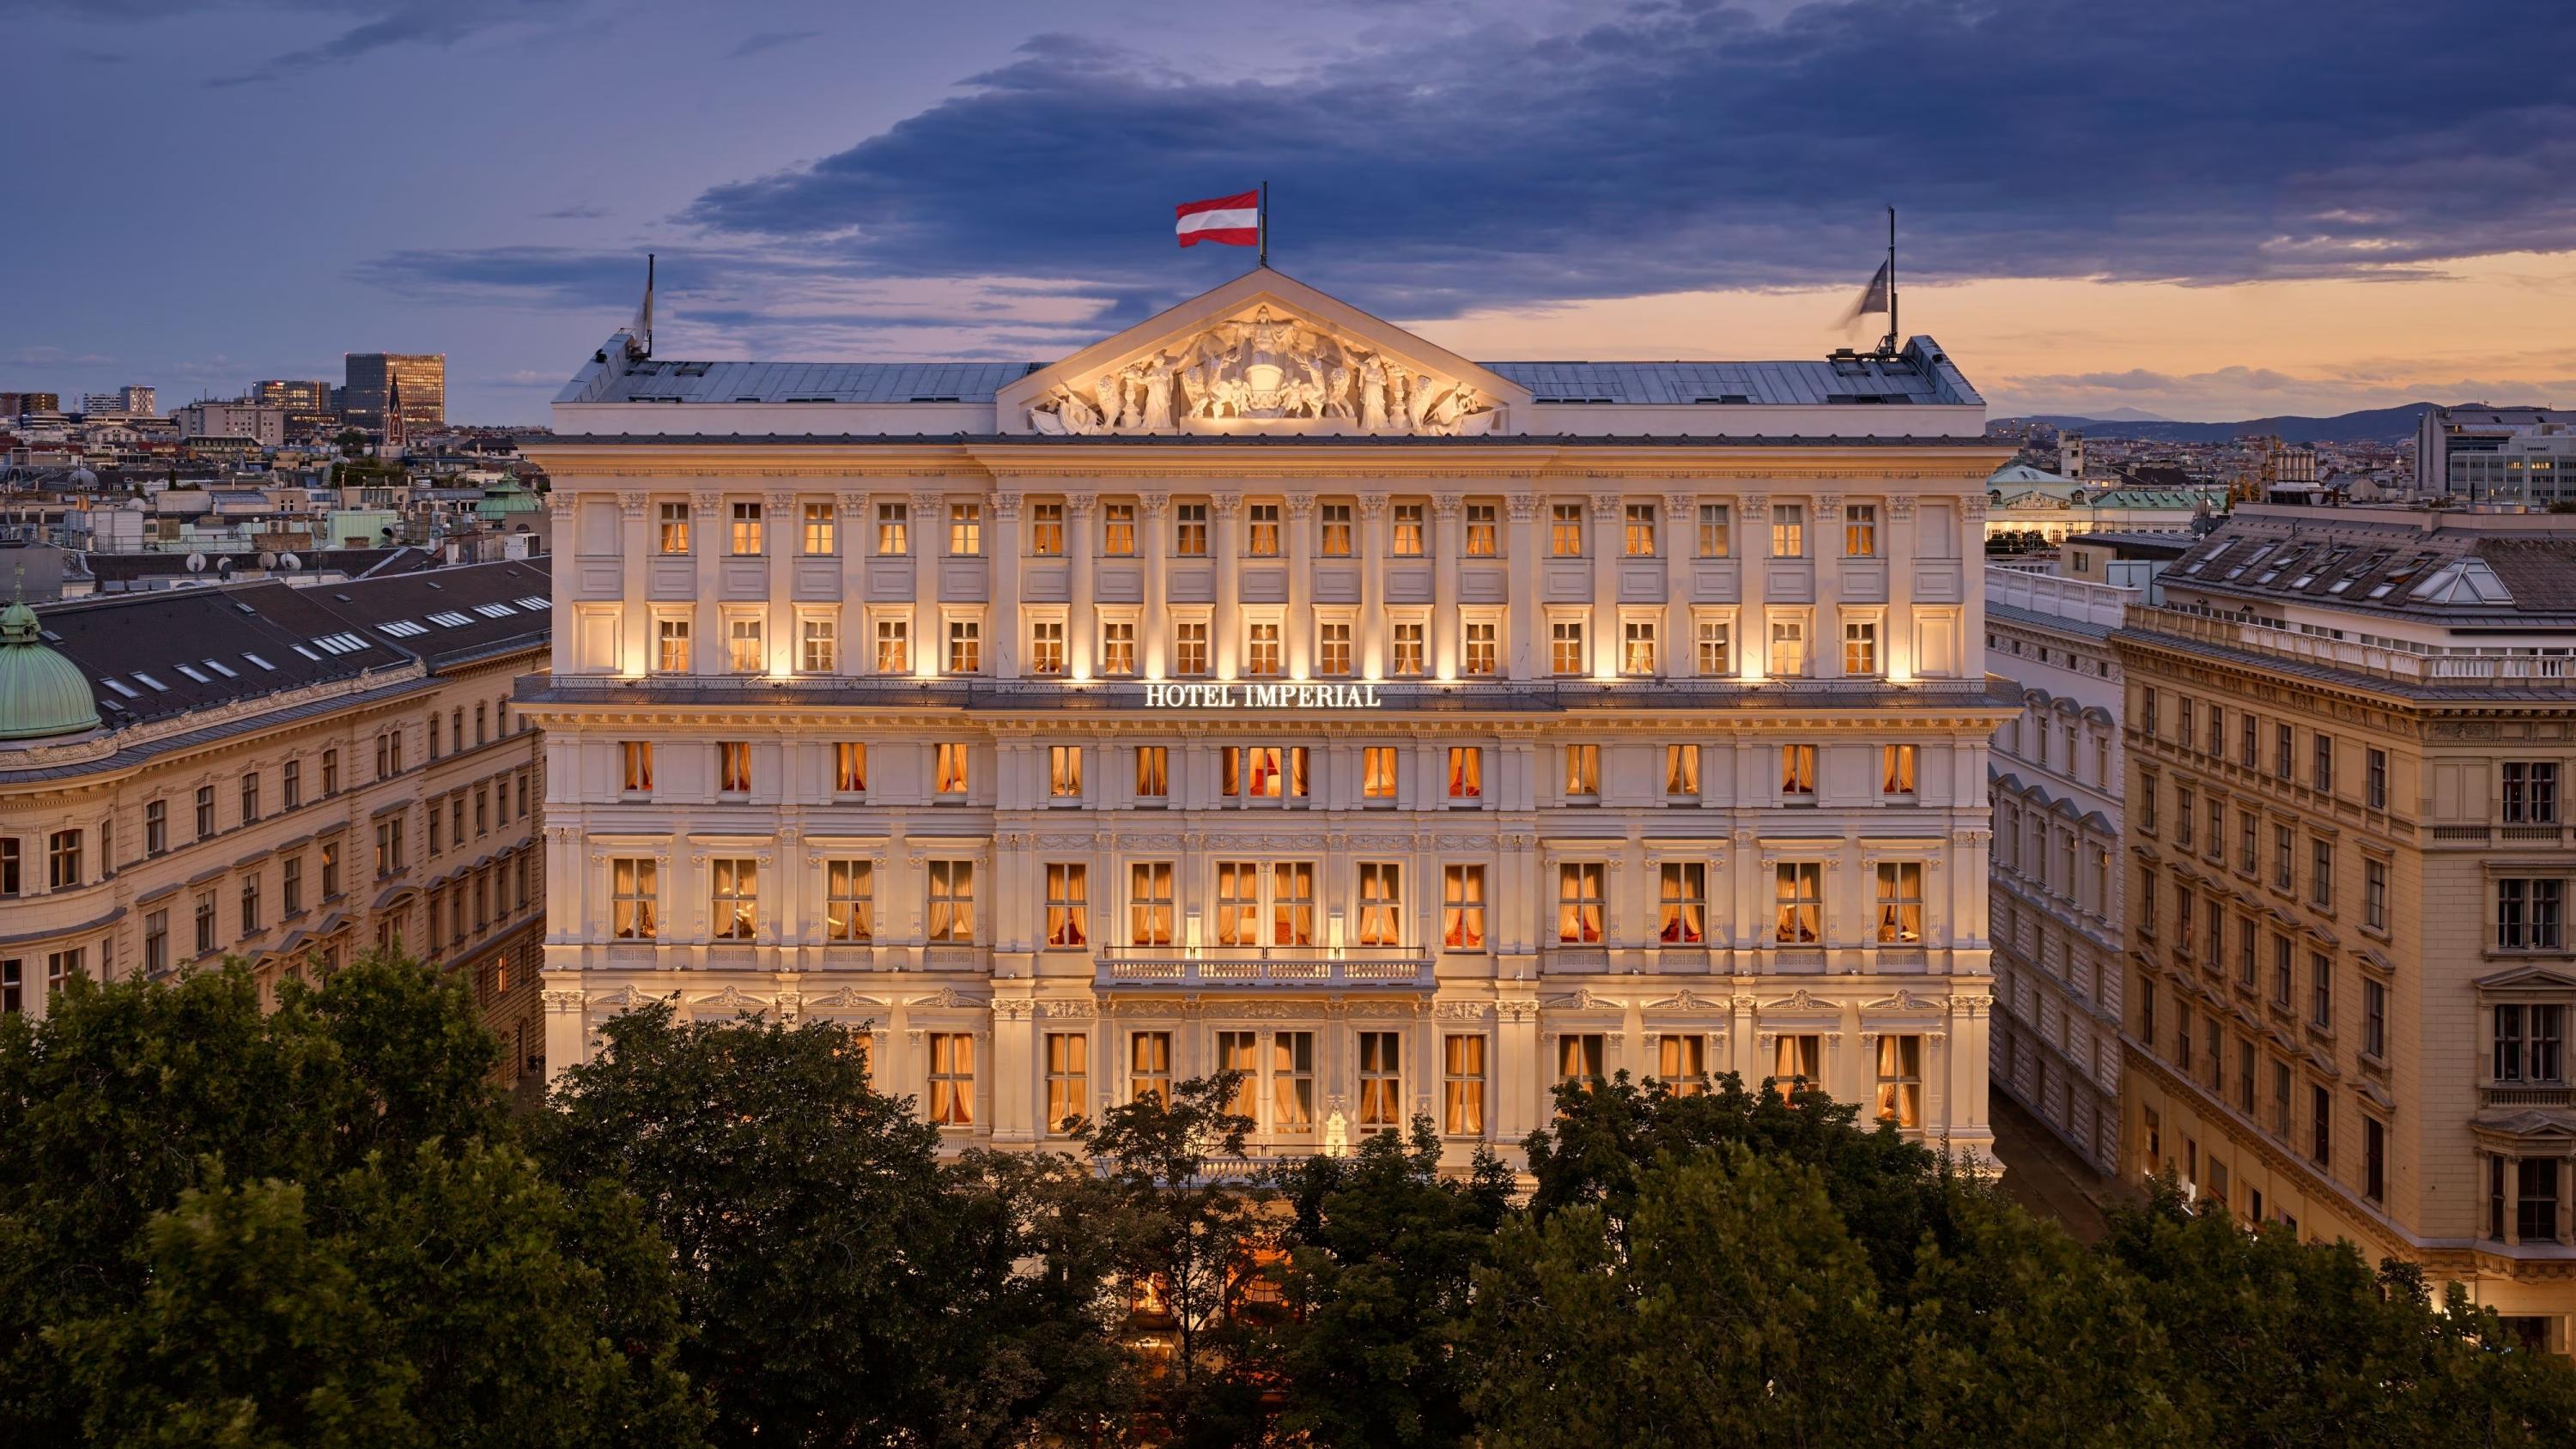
x=546, y=276
x=1681, y=145
x=769, y=40
x=388, y=23
x=572, y=213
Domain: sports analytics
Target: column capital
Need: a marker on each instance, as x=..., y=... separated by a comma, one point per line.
x=1006, y=507
x=705, y=502
x=1079, y=505
x=630, y=505
x=1156, y=504
x=1301, y=505
x=1445, y=505
x=1678, y=506
x=1225, y=505
x=1605, y=506
x=1372, y=507
x=1900, y=508
x=1524, y=507
x=782, y=499
x=928, y=501
x=853, y=505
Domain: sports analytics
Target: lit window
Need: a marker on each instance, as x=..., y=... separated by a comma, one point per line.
x=743, y=651
x=965, y=646
x=819, y=646
x=849, y=901
x=1064, y=772
x=1788, y=530
x=1462, y=908
x=1640, y=540
x=1715, y=645
x=1578, y=903
x=1681, y=772
x=894, y=646
x=1189, y=530
x=636, y=756
x=850, y=767
x=1900, y=903
x=1068, y=905
x=1483, y=648
x=1153, y=771
x=1118, y=528
x=746, y=530
x=675, y=528
x=1798, y=771
x=1261, y=654
x=1046, y=530
x=1798, y=893
x=965, y=530
x=952, y=1078
x=733, y=767
x=1407, y=530
x=1466, y=772
x=1483, y=538
x=1149, y=1065
x=1900, y=1080
x=1462, y=1085
x=632, y=899
x=735, y=899
x=1565, y=647
x=1377, y=772
x=1149, y=903
x=894, y=530
x=671, y=646
x=1118, y=648
x=1860, y=530
x=1381, y=900
x=1190, y=648
x=1565, y=530
x=1261, y=530
x=1410, y=656
x=951, y=773
x=1682, y=1063
x=1046, y=647
x=1637, y=653
x=1333, y=649
x=1896, y=769
x=1581, y=1059
x=1716, y=531
x=1682, y=913
x=1582, y=769
x=1381, y=1081
x=822, y=533
x=951, y=917
x=1068, y=1080
x=1860, y=648
x=1788, y=648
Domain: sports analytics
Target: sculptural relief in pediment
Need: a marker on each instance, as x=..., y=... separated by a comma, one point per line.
x=1266, y=370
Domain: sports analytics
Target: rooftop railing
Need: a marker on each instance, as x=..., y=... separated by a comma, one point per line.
x=2351, y=657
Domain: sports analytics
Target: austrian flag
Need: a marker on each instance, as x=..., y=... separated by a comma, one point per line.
x=1233, y=220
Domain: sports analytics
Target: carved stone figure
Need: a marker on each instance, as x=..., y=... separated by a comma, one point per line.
x=1157, y=383
x=1418, y=400
x=1337, y=386
x=1399, y=413
x=1372, y=394
x=1111, y=390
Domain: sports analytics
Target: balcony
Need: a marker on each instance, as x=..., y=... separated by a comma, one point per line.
x=2515, y=1095
x=1360, y=969
x=2432, y=671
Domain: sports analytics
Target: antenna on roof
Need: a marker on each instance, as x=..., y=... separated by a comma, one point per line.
x=639, y=337
x=1889, y=346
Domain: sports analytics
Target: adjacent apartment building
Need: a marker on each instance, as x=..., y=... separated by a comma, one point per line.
x=2349, y=734
x=285, y=774
x=1266, y=687
x=2057, y=885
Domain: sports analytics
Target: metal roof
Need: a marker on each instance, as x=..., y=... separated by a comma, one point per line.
x=841, y=382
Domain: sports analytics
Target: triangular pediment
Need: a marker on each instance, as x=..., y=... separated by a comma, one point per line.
x=1263, y=353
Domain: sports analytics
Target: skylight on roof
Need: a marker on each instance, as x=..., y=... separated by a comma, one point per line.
x=150, y=682
x=494, y=611
x=255, y=659
x=401, y=628
x=121, y=687
x=449, y=618
x=220, y=668
x=535, y=605
x=307, y=653
x=193, y=674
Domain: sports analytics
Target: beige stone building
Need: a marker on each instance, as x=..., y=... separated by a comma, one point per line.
x=1268, y=687
x=286, y=774
x=2349, y=732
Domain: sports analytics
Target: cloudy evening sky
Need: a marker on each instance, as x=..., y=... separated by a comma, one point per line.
x=2195, y=208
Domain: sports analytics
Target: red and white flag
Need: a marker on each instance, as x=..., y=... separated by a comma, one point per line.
x=1233, y=220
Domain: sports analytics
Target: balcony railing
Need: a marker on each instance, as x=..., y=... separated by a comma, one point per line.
x=2398, y=665
x=1362, y=969
x=2519, y=1096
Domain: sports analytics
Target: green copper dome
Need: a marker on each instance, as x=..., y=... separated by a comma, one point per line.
x=41, y=692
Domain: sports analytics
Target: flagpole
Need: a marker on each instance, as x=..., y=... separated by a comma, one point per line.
x=1892, y=330
x=1263, y=227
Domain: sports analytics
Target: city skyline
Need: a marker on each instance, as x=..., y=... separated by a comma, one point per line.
x=2173, y=213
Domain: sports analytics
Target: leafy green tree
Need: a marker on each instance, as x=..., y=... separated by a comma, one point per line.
x=1381, y=1252
x=1188, y=1243
x=2290, y=1343
x=162, y=1131
x=841, y=1286
x=1041, y=1233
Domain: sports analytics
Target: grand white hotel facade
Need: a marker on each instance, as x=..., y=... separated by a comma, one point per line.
x=1267, y=687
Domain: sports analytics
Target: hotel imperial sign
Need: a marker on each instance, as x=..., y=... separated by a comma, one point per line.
x=1266, y=687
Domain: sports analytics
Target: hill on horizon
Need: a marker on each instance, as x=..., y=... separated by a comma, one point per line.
x=2369, y=425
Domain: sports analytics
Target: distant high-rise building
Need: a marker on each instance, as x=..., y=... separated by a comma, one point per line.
x=380, y=382
x=14, y=403
x=307, y=405
x=133, y=400
x=2497, y=455
x=265, y=426
x=2070, y=455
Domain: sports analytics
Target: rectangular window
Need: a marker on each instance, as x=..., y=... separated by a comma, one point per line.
x=949, y=769
x=62, y=860
x=1565, y=648
x=1262, y=658
x=849, y=900
x=1637, y=651
x=1412, y=658
x=818, y=646
x=2374, y=1018
x=2280, y=970
x=2527, y=913
x=1292, y=1078
x=1046, y=530
x=1064, y=772
x=330, y=870
x=1462, y=1085
x=1900, y=1079
x=1046, y=647
x=1407, y=530
x=1484, y=536
x=1189, y=530
x=2284, y=870
x=250, y=794
x=206, y=808
x=746, y=530
x=1466, y=772
x=2375, y=784
x=1681, y=1063
x=1149, y=903
x=1640, y=540
x=1788, y=649
x=1579, y=903
x=733, y=767
x=1238, y=903
x=2320, y=990
x=1118, y=647
x=671, y=646
x=1068, y=1080
x=1292, y=903
x=821, y=530
x=1581, y=1059
x=2281, y=750
x=1715, y=649
x=291, y=787
x=635, y=765
x=2530, y=793
x=1682, y=908
x=952, y=1078
x=1263, y=772
x=1377, y=772
x=1716, y=531
x=1149, y=1065
x=1381, y=1081
x=1190, y=648
x=951, y=917
x=1068, y=905
x=249, y=904
x=1860, y=650
x=1565, y=530
x=1583, y=770
x=1153, y=771
x=633, y=900
x=1788, y=530
x=2321, y=873
x=675, y=528
x=1681, y=772
x=1900, y=903
x=1896, y=770
x=2247, y=727
x=2374, y=1159
x=2321, y=762
x=744, y=652
x=1381, y=902
x=2321, y=1127
x=1860, y=530
x=1333, y=531
x=1798, y=772
x=965, y=530
x=1118, y=529
x=734, y=898
x=894, y=646
x=849, y=767
x=965, y=646
x=1333, y=649
x=1462, y=908
x=205, y=921
x=1797, y=1061
x=1798, y=893
x=2374, y=894
x=2528, y=1043
x=894, y=530
x=291, y=886
x=1261, y=530
x=1483, y=652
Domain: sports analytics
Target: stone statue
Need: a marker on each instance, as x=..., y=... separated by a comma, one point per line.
x=1450, y=413
x=1418, y=400
x=1042, y=421
x=1399, y=415
x=1337, y=387
x=1372, y=394
x=1111, y=390
x=1158, y=395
